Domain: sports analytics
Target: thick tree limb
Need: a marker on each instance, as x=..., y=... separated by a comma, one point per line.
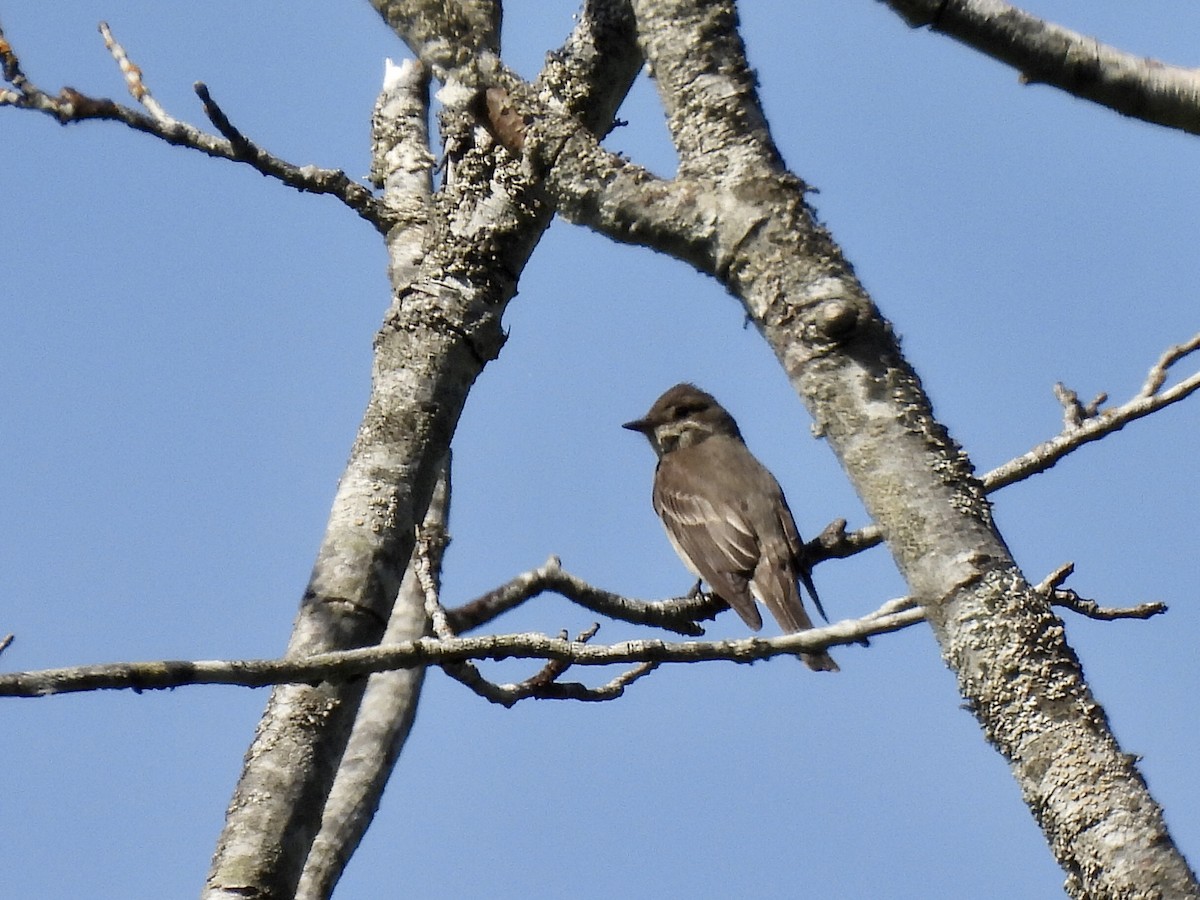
x=1015, y=670
x=442, y=328
x=69, y=105
x=1045, y=53
x=389, y=704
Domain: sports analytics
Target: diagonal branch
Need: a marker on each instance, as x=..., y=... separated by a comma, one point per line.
x=1099, y=424
x=1014, y=668
x=1045, y=53
x=387, y=712
x=70, y=105
x=441, y=329
x=679, y=615
x=1085, y=423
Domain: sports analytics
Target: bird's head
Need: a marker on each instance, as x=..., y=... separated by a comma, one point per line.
x=683, y=416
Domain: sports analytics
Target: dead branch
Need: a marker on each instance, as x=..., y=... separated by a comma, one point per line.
x=679, y=614
x=456, y=654
x=70, y=105
x=1083, y=423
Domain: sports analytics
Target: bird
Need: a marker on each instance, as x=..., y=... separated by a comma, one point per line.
x=725, y=513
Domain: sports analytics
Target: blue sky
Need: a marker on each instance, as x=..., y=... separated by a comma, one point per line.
x=186, y=352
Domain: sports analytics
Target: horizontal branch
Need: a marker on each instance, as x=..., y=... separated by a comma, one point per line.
x=892, y=616
x=349, y=664
x=70, y=105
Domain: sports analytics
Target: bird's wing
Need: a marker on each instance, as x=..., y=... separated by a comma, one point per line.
x=712, y=538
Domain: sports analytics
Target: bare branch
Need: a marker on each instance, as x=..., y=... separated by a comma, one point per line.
x=444, y=324
x=445, y=36
x=1098, y=424
x=382, y=723
x=679, y=614
x=1157, y=376
x=133, y=76
x=1051, y=587
x=72, y=106
x=242, y=146
x=1083, y=423
x=6, y=641
x=544, y=685
x=350, y=664
x=455, y=654
x=1045, y=53
x=1075, y=413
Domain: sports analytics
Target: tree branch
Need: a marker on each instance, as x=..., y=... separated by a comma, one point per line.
x=1045, y=53
x=679, y=614
x=545, y=684
x=387, y=711
x=352, y=664
x=1008, y=651
x=451, y=651
x=72, y=106
x=443, y=326
x=1088, y=423
x=1084, y=423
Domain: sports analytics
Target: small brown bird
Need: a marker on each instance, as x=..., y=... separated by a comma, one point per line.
x=725, y=514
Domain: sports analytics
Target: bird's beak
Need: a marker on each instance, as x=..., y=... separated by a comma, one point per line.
x=641, y=425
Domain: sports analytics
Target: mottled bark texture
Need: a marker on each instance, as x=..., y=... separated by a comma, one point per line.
x=385, y=717
x=443, y=326
x=736, y=213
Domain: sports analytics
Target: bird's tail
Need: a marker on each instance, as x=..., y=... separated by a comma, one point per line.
x=775, y=585
x=806, y=580
x=819, y=662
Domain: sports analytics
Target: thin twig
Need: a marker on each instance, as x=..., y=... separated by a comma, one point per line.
x=1092, y=424
x=544, y=684
x=679, y=614
x=1104, y=422
x=1157, y=376
x=240, y=143
x=133, y=76
x=71, y=105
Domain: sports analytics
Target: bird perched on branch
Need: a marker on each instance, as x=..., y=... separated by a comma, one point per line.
x=725, y=514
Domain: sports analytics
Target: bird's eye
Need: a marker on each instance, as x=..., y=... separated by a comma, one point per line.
x=683, y=410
